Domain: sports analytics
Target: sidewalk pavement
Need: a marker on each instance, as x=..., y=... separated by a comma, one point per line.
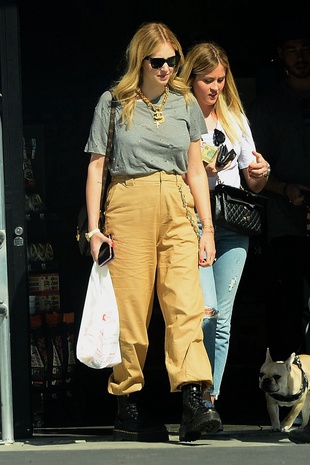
x=236, y=445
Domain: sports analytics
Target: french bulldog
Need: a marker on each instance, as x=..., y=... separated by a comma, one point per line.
x=286, y=384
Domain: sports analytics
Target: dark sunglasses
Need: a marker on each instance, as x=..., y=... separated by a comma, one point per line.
x=157, y=63
x=218, y=137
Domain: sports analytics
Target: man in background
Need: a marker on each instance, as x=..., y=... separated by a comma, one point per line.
x=280, y=122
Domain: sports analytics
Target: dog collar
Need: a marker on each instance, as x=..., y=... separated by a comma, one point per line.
x=304, y=386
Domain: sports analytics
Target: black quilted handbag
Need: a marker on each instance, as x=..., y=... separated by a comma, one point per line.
x=238, y=210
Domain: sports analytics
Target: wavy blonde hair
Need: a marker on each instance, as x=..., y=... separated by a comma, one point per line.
x=203, y=58
x=148, y=38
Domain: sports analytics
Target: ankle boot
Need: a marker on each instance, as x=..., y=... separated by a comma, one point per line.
x=196, y=417
x=300, y=435
x=132, y=425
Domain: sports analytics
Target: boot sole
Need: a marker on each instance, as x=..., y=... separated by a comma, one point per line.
x=192, y=432
x=299, y=440
x=140, y=436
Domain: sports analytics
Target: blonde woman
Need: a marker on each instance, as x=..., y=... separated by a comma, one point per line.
x=207, y=72
x=148, y=212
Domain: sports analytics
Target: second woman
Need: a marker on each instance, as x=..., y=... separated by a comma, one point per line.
x=207, y=71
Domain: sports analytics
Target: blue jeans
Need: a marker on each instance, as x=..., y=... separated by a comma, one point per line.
x=219, y=284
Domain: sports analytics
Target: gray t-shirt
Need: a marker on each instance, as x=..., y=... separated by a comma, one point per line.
x=145, y=148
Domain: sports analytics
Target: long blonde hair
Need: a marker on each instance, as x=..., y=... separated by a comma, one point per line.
x=203, y=58
x=148, y=38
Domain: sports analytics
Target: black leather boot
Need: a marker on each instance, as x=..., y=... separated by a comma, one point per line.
x=196, y=417
x=132, y=425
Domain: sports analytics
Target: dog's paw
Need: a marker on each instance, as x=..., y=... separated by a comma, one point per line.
x=285, y=428
x=275, y=429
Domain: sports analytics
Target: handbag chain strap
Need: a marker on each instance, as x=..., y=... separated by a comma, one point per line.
x=188, y=213
x=108, y=150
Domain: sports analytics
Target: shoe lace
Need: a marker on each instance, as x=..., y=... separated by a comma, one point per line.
x=195, y=398
x=132, y=410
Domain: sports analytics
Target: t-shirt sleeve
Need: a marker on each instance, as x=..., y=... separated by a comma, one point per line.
x=98, y=134
x=197, y=122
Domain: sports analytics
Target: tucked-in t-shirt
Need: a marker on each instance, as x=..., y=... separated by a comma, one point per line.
x=145, y=148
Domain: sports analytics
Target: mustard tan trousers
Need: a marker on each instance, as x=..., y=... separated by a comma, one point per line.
x=155, y=247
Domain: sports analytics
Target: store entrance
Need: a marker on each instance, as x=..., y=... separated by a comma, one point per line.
x=45, y=129
x=15, y=221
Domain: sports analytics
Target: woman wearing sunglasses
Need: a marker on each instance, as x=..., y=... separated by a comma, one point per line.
x=207, y=72
x=157, y=139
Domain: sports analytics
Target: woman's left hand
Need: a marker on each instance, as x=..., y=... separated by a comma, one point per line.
x=259, y=168
x=207, y=249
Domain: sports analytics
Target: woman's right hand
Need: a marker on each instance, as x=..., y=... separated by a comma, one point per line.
x=212, y=170
x=95, y=244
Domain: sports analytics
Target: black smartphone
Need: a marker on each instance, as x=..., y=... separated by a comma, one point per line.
x=106, y=253
x=224, y=157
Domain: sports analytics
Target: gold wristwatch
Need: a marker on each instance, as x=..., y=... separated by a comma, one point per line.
x=90, y=234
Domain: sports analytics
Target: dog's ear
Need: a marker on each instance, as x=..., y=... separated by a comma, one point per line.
x=268, y=356
x=289, y=361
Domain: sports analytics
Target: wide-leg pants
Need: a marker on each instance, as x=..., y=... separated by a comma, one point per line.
x=155, y=248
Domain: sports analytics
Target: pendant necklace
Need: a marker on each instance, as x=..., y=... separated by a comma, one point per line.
x=158, y=116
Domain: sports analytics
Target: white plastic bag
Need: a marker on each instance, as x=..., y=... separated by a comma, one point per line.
x=98, y=339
